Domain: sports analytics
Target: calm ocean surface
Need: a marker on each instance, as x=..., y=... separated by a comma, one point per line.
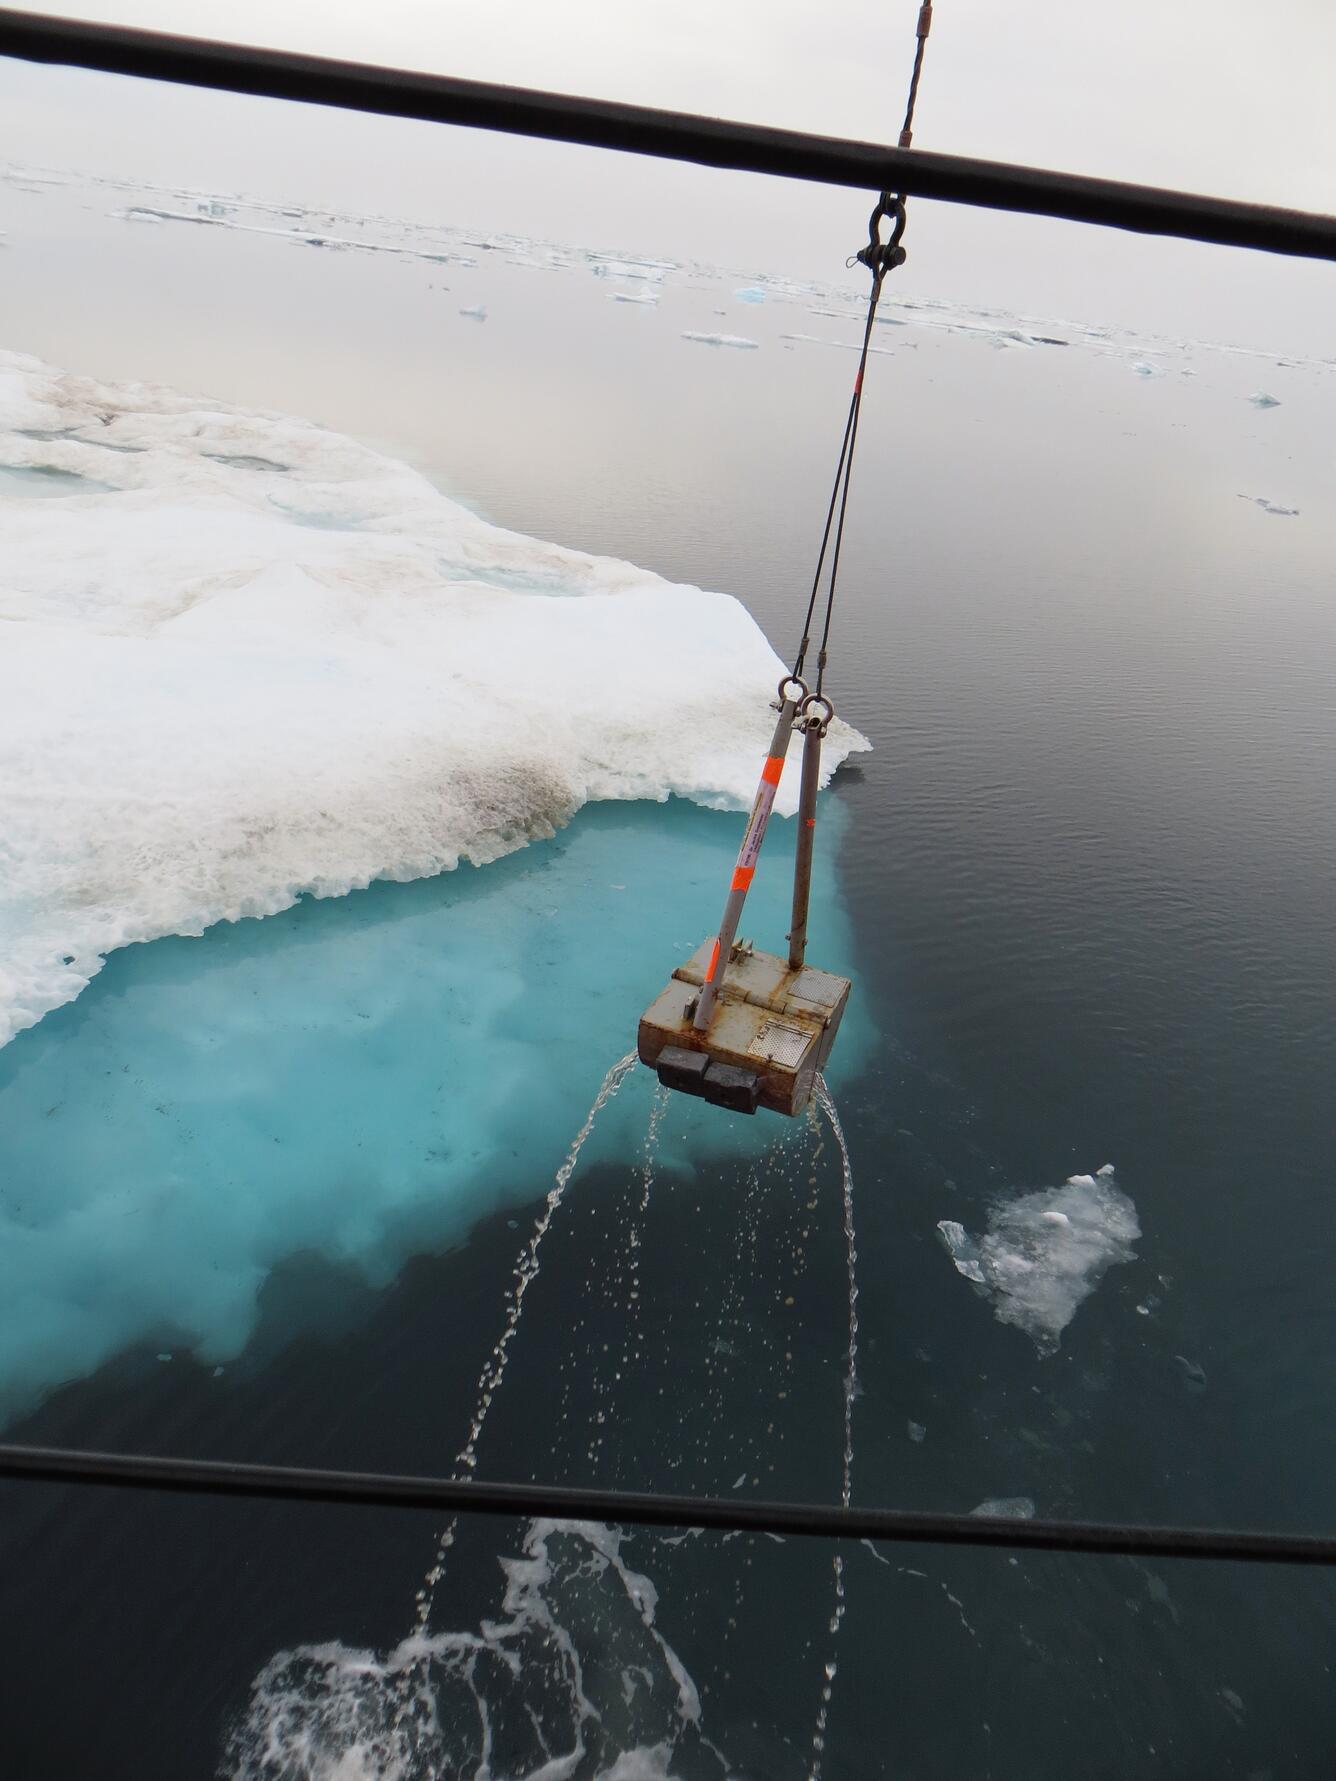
x=1086, y=882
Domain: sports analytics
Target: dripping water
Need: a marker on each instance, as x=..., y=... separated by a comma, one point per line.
x=825, y=1101
x=494, y=1369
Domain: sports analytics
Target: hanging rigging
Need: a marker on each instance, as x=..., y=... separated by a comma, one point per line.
x=739, y=1028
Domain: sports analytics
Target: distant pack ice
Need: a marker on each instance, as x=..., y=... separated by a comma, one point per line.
x=246, y=658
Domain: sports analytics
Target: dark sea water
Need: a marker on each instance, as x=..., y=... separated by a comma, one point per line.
x=1085, y=883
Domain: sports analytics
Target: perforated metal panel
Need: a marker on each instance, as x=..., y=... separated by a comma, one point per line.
x=780, y=1043
x=821, y=987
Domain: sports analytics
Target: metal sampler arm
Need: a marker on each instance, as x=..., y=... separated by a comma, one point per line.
x=814, y=730
x=745, y=869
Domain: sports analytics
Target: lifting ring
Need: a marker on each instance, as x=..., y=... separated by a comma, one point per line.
x=820, y=724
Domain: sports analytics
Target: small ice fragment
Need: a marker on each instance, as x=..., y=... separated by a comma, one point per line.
x=164, y=1357
x=750, y=293
x=1006, y=1508
x=916, y=1431
x=1228, y=1696
x=1055, y=1217
x=1193, y=1373
x=1271, y=506
x=1143, y=1310
x=962, y=1249
x=1260, y=399
x=720, y=339
x=1142, y=369
x=643, y=297
x=218, y=1372
x=1104, y=1173
x=739, y=1481
x=646, y=269
x=474, y=313
x=1080, y=1181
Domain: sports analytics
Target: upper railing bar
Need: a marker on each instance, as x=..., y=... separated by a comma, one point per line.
x=669, y=135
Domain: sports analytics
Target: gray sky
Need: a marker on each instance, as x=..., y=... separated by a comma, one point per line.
x=1215, y=95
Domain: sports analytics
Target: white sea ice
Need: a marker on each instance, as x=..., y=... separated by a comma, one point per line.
x=650, y=298
x=652, y=270
x=273, y=661
x=1006, y=1508
x=1045, y=1253
x=1260, y=399
x=751, y=293
x=1271, y=506
x=719, y=339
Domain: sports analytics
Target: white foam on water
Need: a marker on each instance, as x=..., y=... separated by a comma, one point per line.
x=537, y=1692
x=245, y=659
x=1044, y=1254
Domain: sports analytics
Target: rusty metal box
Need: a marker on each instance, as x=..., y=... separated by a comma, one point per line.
x=770, y=1021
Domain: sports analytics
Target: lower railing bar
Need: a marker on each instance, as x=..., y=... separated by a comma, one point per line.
x=140, y=1471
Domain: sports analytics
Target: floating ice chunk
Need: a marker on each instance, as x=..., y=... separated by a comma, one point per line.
x=1271, y=506
x=649, y=297
x=1260, y=399
x=221, y=689
x=652, y=270
x=1142, y=369
x=1006, y=1508
x=1194, y=1374
x=1045, y=1253
x=1104, y=1172
x=474, y=313
x=751, y=293
x=916, y=1431
x=719, y=339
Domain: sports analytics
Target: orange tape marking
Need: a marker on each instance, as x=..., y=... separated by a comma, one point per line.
x=774, y=766
x=742, y=877
x=714, y=960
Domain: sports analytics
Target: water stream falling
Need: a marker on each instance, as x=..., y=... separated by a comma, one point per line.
x=526, y=1272
x=825, y=1101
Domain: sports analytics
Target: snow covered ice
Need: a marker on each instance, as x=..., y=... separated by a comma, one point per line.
x=1045, y=1253
x=271, y=661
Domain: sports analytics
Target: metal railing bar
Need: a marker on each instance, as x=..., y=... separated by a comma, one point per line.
x=221, y=1478
x=671, y=135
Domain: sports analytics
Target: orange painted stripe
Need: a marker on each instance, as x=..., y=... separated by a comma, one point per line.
x=742, y=877
x=811, y=822
x=714, y=960
x=774, y=766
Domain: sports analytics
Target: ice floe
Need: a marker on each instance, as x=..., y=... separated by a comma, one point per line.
x=1006, y=1508
x=1271, y=506
x=1044, y=1253
x=720, y=339
x=247, y=658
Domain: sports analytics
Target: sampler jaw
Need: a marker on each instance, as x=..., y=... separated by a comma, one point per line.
x=771, y=1032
